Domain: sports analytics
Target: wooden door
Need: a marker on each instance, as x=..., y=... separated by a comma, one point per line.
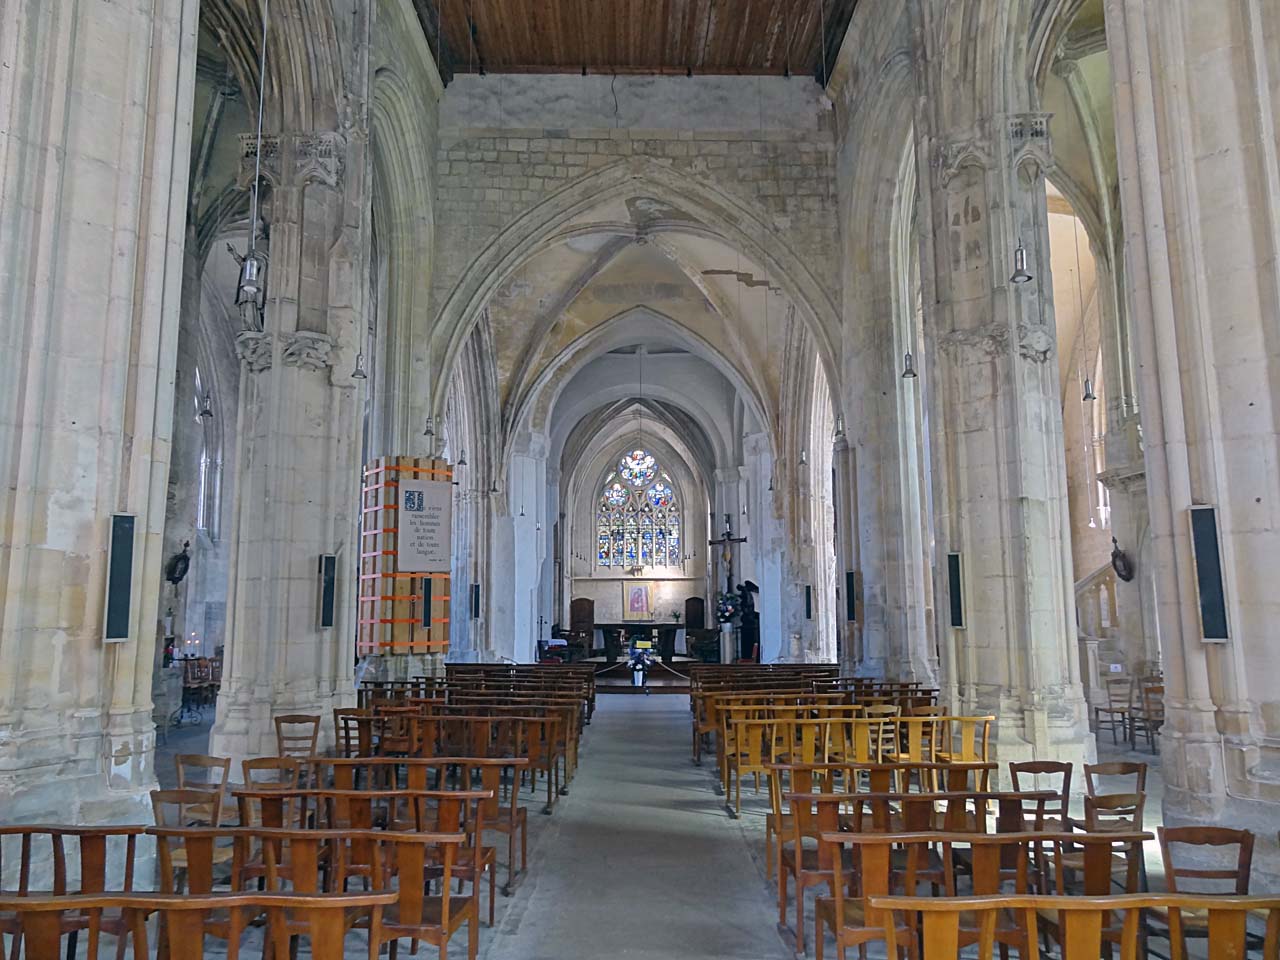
x=695, y=613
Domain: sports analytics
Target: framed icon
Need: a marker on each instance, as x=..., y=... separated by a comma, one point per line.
x=637, y=601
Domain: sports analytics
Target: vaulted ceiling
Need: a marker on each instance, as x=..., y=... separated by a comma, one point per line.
x=637, y=36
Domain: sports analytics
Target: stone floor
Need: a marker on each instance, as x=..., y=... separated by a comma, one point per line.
x=641, y=861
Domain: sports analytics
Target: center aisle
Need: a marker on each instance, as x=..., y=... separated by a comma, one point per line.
x=640, y=860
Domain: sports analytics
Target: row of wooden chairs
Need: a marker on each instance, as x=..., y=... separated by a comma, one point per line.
x=750, y=744
x=1133, y=709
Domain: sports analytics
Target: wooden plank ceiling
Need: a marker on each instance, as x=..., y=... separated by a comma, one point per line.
x=636, y=36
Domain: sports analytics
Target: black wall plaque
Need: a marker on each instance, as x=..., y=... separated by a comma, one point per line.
x=1213, y=596
x=115, y=620
x=955, y=589
x=326, y=573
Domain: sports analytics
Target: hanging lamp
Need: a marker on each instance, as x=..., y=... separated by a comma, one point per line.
x=206, y=406
x=250, y=286
x=908, y=367
x=359, y=372
x=1020, y=274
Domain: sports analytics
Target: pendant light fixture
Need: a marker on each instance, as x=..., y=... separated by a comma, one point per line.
x=359, y=372
x=1089, y=396
x=1020, y=274
x=206, y=407
x=462, y=459
x=908, y=366
x=250, y=287
x=804, y=457
x=430, y=430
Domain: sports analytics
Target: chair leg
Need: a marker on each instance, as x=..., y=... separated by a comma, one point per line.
x=799, y=916
x=782, y=898
x=493, y=887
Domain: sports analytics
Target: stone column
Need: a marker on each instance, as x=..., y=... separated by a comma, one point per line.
x=1197, y=112
x=995, y=412
x=298, y=449
x=848, y=554
x=95, y=105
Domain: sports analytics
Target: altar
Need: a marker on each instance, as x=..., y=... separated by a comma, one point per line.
x=617, y=638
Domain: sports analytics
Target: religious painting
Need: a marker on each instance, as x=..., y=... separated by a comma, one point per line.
x=637, y=601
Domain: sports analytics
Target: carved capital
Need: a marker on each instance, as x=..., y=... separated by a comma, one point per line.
x=270, y=159
x=991, y=339
x=308, y=350
x=1035, y=342
x=1030, y=147
x=321, y=158
x=253, y=347
x=309, y=158
x=951, y=158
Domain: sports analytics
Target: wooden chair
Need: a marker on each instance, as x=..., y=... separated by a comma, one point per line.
x=182, y=920
x=1147, y=717
x=1234, y=877
x=1115, y=715
x=965, y=739
x=803, y=857
x=1089, y=920
x=1055, y=816
x=869, y=871
x=197, y=771
x=884, y=730
x=267, y=772
x=413, y=914
x=97, y=872
x=189, y=808
x=353, y=732
x=747, y=755
x=297, y=735
x=1114, y=809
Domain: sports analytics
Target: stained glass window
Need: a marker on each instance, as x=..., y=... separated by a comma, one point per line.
x=638, y=520
x=638, y=467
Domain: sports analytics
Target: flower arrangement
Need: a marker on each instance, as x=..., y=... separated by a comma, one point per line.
x=728, y=606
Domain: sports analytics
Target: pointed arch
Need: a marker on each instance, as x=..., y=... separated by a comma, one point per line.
x=732, y=220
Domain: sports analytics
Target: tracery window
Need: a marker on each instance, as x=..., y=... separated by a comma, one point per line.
x=638, y=515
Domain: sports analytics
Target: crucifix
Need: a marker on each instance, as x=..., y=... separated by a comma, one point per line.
x=727, y=540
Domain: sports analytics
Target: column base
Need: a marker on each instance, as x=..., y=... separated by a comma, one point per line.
x=75, y=772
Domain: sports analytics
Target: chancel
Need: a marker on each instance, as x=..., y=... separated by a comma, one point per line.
x=892, y=382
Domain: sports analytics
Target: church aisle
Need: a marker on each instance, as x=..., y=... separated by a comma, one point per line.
x=640, y=860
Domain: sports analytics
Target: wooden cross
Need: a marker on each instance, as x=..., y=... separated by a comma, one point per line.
x=727, y=540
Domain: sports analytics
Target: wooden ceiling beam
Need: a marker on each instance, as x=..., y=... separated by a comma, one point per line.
x=665, y=37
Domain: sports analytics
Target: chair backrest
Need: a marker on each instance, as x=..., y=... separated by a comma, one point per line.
x=198, y=771
x=101, y=867
x=1119, y=692
x=47, y=922
x=1114, y=811
x=1085, y=919
x=297, y=734
x=1235, y=875
x=353, y=731
x=1095, y=772
x=186, y=808
x=268, y=772
x=1060, y=770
